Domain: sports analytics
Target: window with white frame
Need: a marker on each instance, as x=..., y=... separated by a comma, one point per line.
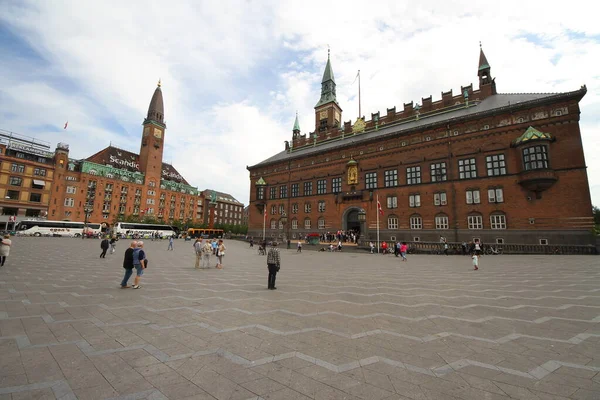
x=336, y=185
x=307, y=188
x=295, y=208
x=295, y=190
x=371, y=180
x=281, y=209
x=321, y=206
x=280, y=225
x=498, y=221
x=496, y=195
x=416, y=222
x=439, y=199
x=294, y=224
x=414, y=200
x=535, y=157
x=441, y=222
x=321, y=223
x=273, y=224
x=495, y=165
x=272, y=193
x=475, y=221
x=391, y=178
x=467, y=168
x=413, y=175
x=307, y=207
x=282, y=192
x=438, y=172
x=473, y=196
x=307, y=223
x=273, y=209
x=69, y=202
x=322, y=186
x=392, y=202
x=71, y=189
x=392, y=222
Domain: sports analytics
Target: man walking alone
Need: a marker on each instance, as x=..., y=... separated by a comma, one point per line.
x=198, y=251
x=128, y=264
x=104, y=246
x=206, y=252
x=273, y=263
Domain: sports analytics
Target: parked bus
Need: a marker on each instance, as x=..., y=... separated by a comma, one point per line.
x=205, y=233
x=56, y=228
x=130, y=229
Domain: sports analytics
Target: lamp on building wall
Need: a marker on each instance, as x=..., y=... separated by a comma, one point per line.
x=283, y=221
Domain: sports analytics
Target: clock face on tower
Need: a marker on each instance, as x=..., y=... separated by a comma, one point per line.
x=323, y=114
x=146, y=131
x=157, y=133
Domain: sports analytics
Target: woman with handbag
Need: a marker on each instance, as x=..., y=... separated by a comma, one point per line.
x=220, y=253
x=273, y=263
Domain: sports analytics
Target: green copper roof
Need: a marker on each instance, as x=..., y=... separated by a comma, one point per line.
x=296, y=124
x=483, y=62
x=261, y=181
x=532, y=134
x=327, y=86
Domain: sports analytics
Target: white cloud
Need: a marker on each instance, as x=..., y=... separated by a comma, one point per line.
x=235, y=72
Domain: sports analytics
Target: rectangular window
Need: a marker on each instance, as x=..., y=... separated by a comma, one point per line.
x=321, y=206
x=294, y=224
x=295, y=208
x=282, y=192
x=15, y=181
x=321, y=223
x=12, y=194
x=391, y=178
x=392, y=202
x=307, y=188
x=322, y=186
x=392, y=223
x=39, y=172
x=35, y=197
x=336, y=185
x=281, y=209
x=439, y=199
x=495, y=165
x=535, y=157
x=441, y=222
x=273, y=224
x=371, y=180
x=272, y=193
x=438, y=172
x=273, y=209
x=295, y=190
x=307, y=223
x=413, y=175
x=467, y=168
x=17, y=168
x=496, y=195
x=473, y=196
x=260, y=193
x=498, y=221
x=71, y=189
x=475, y=222
x=307, y=207
x=416, y=222
x=414, y=200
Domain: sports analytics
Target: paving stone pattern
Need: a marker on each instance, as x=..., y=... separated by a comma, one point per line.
x=339, y=326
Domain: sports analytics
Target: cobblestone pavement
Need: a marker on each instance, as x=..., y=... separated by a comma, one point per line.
x=339, y=326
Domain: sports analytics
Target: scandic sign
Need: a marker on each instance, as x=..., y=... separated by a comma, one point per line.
x=29, y=149
x=133, y=164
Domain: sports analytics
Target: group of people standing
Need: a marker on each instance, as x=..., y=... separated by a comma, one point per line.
x=205, y=250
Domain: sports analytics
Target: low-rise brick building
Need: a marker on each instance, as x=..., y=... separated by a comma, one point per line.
x=503, y=168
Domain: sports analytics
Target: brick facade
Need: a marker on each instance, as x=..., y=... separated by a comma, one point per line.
x=482, y=173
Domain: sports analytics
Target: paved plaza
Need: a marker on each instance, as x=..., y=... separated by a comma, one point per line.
x=339, y=326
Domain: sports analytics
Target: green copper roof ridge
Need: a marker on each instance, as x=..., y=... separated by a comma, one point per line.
x=296, y=123
x=533, y=134
x=328, y=73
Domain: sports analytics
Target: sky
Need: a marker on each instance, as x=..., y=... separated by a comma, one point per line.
x=234, y=73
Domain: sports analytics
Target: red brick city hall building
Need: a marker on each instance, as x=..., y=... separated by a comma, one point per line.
x=502, y=168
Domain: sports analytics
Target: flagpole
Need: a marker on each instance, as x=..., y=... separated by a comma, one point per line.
x=378, y=223
x=359, y=110
x=264, y=221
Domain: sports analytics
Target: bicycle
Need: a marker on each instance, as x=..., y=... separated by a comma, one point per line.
x=491, y=250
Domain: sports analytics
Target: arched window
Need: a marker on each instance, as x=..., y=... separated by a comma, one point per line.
x=475, y=221
x=280, y=225
x=294, y=223
x=306, y=223
x=416, y=222
x=273, y=224
x=498, y=220
x=321, y=223
x=392, y=222
x=441, y=221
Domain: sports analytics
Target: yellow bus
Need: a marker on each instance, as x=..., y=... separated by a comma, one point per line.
x=205, y=233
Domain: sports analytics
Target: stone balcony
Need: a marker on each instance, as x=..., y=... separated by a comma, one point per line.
x=537, y=180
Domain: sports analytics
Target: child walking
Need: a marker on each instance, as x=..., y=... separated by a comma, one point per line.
x=475, y=262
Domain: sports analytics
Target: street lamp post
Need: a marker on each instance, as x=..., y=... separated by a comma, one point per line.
x=283, y=220
x=362, y=217
x=87, y=209
x=261, y=201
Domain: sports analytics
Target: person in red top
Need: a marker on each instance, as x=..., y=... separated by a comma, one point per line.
x=384, y=247
x=403, y=250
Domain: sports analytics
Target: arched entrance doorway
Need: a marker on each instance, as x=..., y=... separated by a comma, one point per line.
x=351, y=221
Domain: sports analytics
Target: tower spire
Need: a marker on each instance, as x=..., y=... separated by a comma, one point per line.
x=296, y=124
x=483, y=62
x=327, y=84
x=156, y=109
x=484, y=72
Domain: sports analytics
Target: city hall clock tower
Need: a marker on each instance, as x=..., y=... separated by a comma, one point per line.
x=153, y=139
